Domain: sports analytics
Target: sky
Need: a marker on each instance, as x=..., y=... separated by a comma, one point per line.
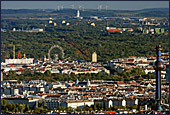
x=114, y=5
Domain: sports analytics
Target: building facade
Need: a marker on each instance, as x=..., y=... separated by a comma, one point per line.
x=94, y=57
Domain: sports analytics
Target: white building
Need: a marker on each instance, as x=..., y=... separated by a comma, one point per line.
x=117, y=102
x=19, y=61
x=71, y=103
x=79, y=103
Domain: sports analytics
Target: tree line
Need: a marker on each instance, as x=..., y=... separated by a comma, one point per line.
x=79, y=40
x=125, y=75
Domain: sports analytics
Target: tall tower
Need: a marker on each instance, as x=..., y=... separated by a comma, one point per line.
x=158, y=66
x=78, y=13
x=94, y=57
x=13, y=51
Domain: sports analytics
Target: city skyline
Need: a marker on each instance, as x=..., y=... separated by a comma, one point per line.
x=110, y=5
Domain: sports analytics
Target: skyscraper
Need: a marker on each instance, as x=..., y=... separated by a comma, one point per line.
x=94, y=57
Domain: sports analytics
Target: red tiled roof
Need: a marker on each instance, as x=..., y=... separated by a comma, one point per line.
x=120, y=82
x=111, y=112
x=130, y=89
x=93, y=87
x=20, y=70
x=134, y=83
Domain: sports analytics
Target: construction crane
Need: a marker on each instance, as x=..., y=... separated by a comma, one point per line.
x=19, y=54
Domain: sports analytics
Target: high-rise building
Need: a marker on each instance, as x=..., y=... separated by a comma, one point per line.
x=94, y=57
x=78, y=13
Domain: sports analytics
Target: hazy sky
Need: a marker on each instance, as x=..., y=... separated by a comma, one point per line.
x=115, y=5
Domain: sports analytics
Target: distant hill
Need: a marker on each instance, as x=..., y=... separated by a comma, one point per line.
x=155, y=9
x=151, y=12
x=20, y=11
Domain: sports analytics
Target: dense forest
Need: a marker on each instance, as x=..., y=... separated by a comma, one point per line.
x=137, y=73
x=79, y=40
